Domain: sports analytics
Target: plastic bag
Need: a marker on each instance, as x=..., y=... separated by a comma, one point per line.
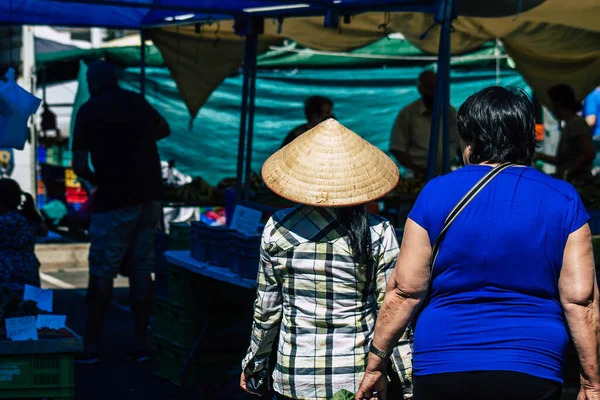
x=343, y=395
x=16, y=105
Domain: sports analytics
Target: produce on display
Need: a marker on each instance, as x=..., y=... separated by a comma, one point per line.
x=12, y=305
x=409, y=186
x=590, y=195
x=199, y=191
x=256, y=184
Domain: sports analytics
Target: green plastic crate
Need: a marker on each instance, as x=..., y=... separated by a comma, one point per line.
x=37, y=376
x=180, y=235
x=185, y=288
x=162, y=318
x=185, y=325
x=177, y=324
x=168, y=361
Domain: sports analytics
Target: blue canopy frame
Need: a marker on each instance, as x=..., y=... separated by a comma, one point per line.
x=253, y=26
x=249, y=18
x=138, y=14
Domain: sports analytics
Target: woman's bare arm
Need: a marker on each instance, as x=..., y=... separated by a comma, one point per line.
x=405, y=291
x=406, y=288
x=579, y=296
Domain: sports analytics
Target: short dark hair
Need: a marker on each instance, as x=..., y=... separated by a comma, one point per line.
x=10, y=194
x=314, y=104
x=564, y=94
x=499, y=125
x=101, y=73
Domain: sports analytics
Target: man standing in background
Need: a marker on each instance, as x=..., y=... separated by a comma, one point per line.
x=316, y=109
x=409, y=142
x=119, y=129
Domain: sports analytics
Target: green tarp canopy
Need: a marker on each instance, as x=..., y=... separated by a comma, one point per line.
x=367, y=100
x=64, y=65
x=385, y=52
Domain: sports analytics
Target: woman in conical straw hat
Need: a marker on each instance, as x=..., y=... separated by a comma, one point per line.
x=324, y=267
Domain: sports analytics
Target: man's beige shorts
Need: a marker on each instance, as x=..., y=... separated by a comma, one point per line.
x=123, y=234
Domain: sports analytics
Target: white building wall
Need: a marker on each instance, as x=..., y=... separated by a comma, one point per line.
x=25, y=171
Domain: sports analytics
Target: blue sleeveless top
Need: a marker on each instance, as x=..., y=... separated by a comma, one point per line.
x=494, y=303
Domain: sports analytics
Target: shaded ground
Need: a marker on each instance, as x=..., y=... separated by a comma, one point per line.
x=115, y=379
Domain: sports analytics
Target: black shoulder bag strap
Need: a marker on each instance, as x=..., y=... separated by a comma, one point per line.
x=458, y=208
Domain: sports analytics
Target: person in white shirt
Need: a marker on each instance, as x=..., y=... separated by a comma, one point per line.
x=409, y=142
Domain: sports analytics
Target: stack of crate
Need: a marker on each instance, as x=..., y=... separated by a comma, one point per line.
x=41, y=188
x=219, y=313
x=196, y=306
x=41, y=192
x=178, y=239
x=30, y=376
x=178, y=322
x=42, y=368
x=74, y=192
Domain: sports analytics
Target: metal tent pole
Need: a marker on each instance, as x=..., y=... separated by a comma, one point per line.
x=142, y=63
x=243, y=118
x=44, y=85
x=253, y=42
x=445, y=59
x=447, y=151
x=442, y=80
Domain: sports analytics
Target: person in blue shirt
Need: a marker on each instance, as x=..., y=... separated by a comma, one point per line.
x=591, y=112
x=514, y=266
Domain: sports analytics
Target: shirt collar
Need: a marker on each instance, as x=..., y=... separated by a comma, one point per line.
x=423, y=110
x=313, y=223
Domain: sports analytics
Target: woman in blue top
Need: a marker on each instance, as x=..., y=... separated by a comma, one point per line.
x=511, y=268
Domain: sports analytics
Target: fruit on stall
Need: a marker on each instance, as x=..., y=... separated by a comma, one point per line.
x=12, y=305
x=199, y=190
x=196, y=191
x=409, y=186
x=590, y=195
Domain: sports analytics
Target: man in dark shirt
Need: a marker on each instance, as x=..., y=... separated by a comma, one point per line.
x=117, y=130
x=316, y=109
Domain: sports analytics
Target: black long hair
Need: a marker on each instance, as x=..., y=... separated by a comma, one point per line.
x=356, y=222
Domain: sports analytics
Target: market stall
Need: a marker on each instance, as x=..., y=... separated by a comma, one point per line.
x=179, y=325
x=37, y=347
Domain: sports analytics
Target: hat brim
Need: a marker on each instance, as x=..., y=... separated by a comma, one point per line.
x=325, y=204
x=330, y=166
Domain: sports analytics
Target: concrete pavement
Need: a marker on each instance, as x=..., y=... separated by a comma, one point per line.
x=113, y=378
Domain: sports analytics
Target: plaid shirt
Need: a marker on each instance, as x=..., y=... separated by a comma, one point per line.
x=322, y=306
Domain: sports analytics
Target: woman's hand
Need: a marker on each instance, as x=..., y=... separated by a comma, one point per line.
x=588, y=391
x=373, y=386
x=243, y=380
x=588, y=394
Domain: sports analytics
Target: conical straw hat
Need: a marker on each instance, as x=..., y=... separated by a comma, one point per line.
x=330, y=166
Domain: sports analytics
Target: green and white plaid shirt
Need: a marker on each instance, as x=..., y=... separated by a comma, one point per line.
x=322, y=306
